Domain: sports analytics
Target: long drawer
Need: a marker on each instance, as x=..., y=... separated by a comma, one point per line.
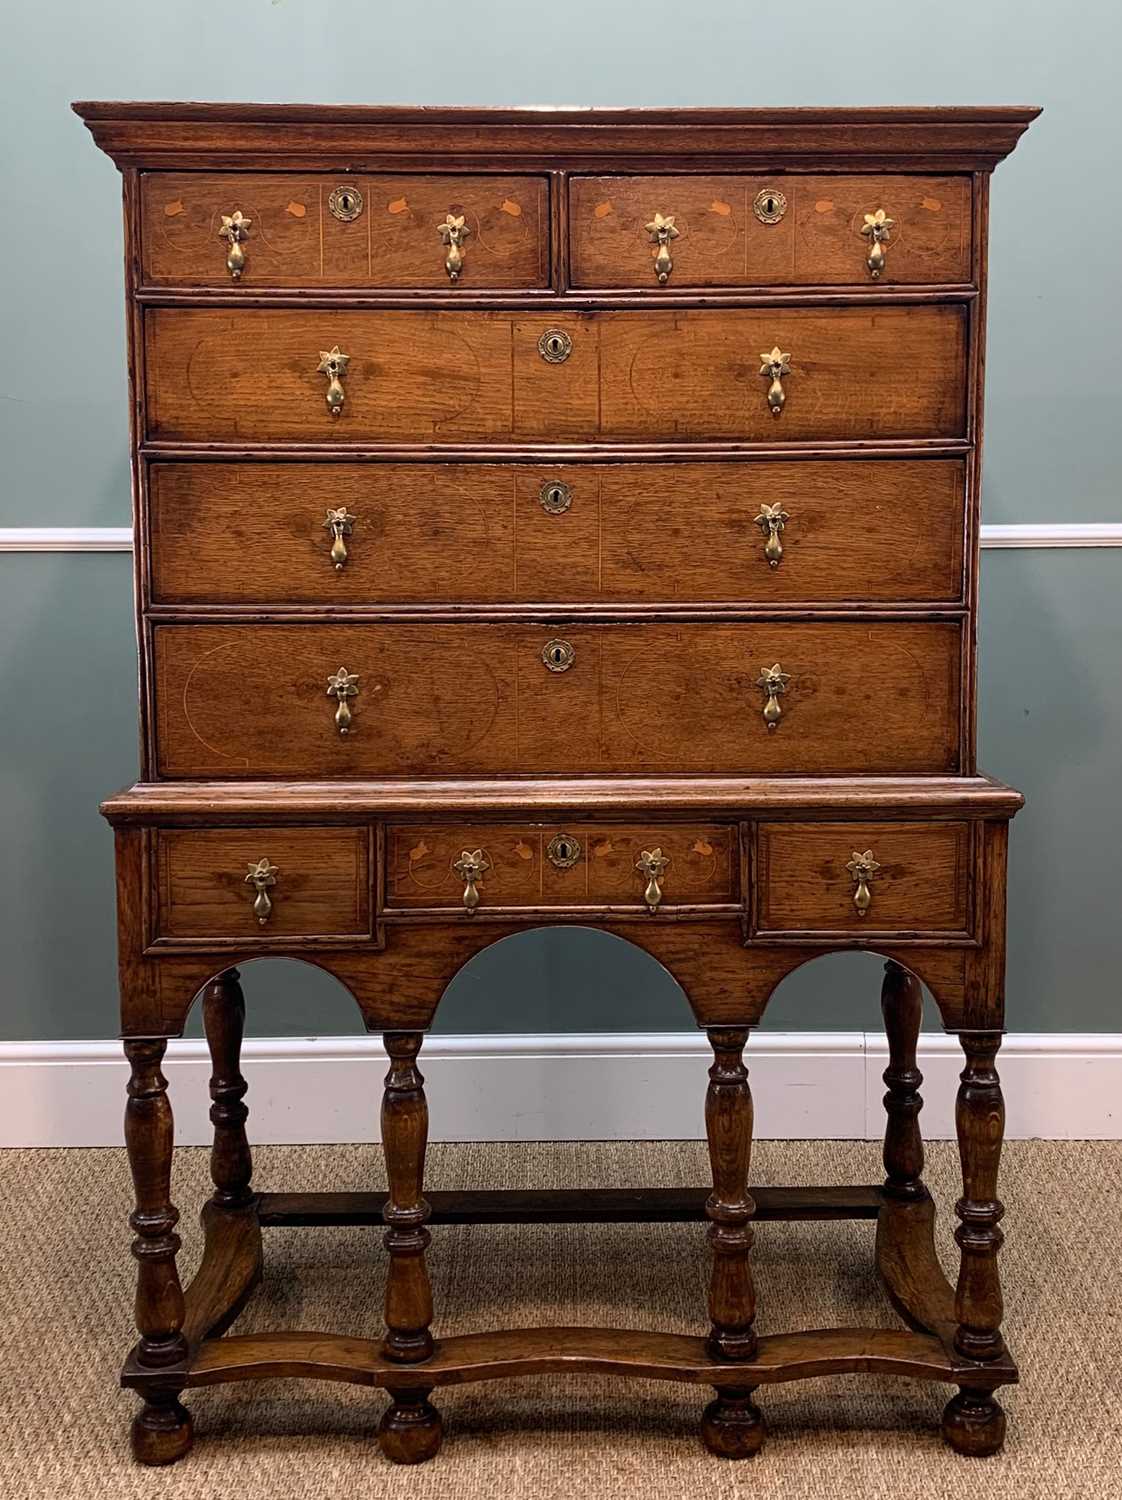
x=442, y=377
x=794, y=230
x=294, y=230
x=348, y=534
x=417, y=699
x=480, y=866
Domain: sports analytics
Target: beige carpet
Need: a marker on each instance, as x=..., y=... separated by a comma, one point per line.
x=65, y=1318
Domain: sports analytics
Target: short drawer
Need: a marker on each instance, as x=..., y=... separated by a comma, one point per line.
x=786, y=230
x=641, y=867
x=904, y=879
x=426, y=377
x=263, y=882
x=422, y=698
x=770, y=532
x=340, y=231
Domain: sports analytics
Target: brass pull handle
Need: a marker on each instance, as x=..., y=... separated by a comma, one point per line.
x=341, y=686
x=662, y=231
x=862, y=867
x=261, y=876
x=235, y=231
x=558, y=656
x=771, y=520
x=340, y=525
x=333, y=363
x=651, y=863
x=471, y=867
x=773, y=680
x=877, y=229
x=775, y=365
x=453, y=232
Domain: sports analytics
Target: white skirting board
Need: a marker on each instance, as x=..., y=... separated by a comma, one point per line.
x=806, y=1085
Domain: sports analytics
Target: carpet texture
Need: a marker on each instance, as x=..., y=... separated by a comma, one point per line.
x=66, y=1288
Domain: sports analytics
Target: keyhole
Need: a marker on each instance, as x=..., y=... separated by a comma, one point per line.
x=769, y=205
x=555, y=345
x=346, y=202
x=563, y=850
x=557, y=656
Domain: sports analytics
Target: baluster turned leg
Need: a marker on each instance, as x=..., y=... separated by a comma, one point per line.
x=231, y=1165
x=411, y=1429
x=973, y=1422
x=901, y=1002
x=161, y=1431
x=731, y=1426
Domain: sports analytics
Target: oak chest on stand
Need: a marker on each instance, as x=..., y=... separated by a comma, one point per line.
x=558, y=517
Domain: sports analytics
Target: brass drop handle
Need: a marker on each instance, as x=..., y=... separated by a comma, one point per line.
x=471, y=866
x=773, y=680
x=775, y=365
x=862, y=867
x=340, y=525
x=341, y=686
x=652, y=863
x=877, y=229
x=262, y=875
x=771, y=520
x=333, y=363
x=662, y=231
x=453, y=232
x=235, y=231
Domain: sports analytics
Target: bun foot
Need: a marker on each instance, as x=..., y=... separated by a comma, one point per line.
x=732, y=1426
x=974, y=1423
x=411, y=1430
x=162, y=1431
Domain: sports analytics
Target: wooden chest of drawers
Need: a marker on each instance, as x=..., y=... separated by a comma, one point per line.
x=559, y=517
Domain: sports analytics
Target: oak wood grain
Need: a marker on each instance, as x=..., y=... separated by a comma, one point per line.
x=702, y=864
x=722, y=242
x=247, y=533
x=295, y=241
x=922, y=886
x=477, y=699
x=432, y=377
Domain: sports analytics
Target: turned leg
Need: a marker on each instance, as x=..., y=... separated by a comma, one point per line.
x=732, y=1425
x=161, y=1432
x=231, y=1165
x=411, y=1430
x=901, y=1003
x=973, y=1422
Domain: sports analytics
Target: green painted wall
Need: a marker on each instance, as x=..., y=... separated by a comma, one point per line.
x=1051, y=630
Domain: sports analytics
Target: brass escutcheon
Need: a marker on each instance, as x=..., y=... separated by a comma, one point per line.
x=771, y=520
x=558, y=655
x=877, y=229
x=333, y=363
x=769, y=205
x=340, y=524
x=775, y=365
x=235, y=231
x=652, y=863
x=341, y=686
x=563, y=851
x=345, y=202
x=261, y=876
x=773, y=680
x=555, y=497
x=471, y=866
x=453, y=232
x=662, y=231
x=862, y=867
x=555, y=346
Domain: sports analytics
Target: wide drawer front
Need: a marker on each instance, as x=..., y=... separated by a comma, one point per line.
x=768, y=231
x=427, y=377
x=817, y=879
x=417, y=699
x=767, y=532
x=476, y=866
x=263, y=882
x=280, y=229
